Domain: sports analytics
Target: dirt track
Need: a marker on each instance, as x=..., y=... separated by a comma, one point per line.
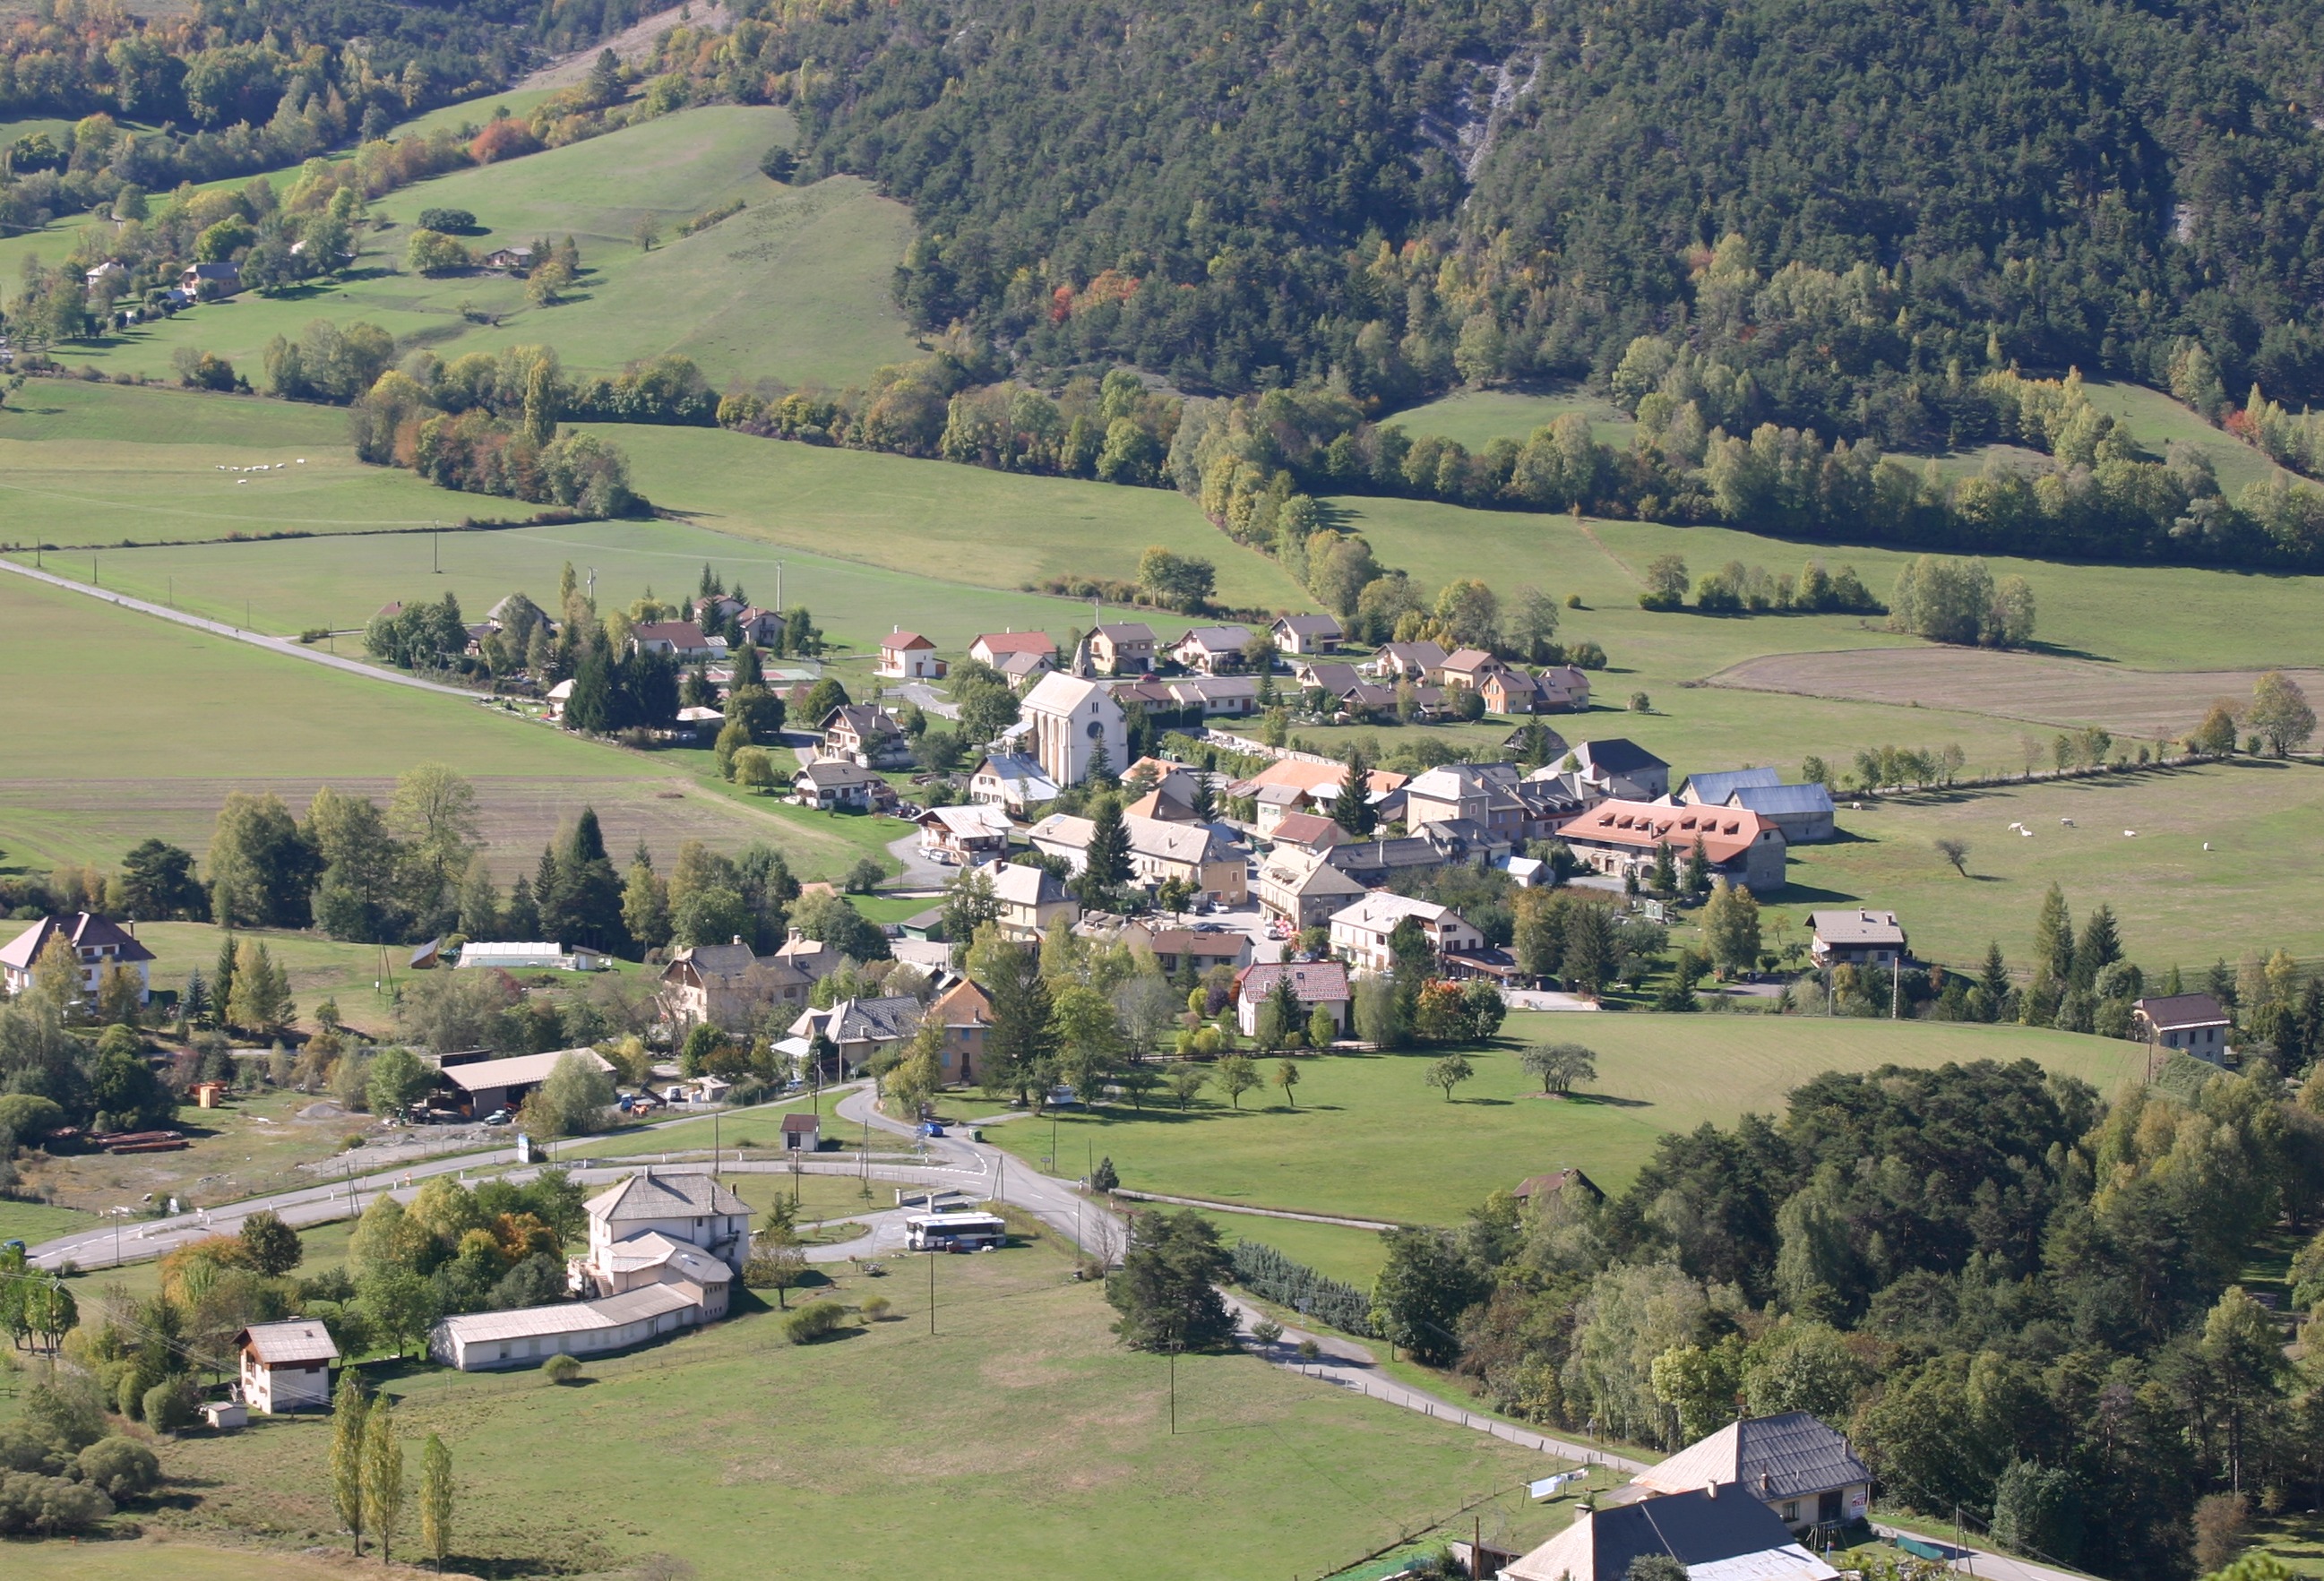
x=2036, y=687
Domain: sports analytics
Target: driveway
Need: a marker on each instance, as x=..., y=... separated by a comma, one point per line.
x=920, y=872
x=926, y=698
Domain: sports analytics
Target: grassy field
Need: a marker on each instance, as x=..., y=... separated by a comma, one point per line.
x=963, y=524
x=188, y=717
x=286, y=586
x=253, y=1147
x=1476, y=417
x=793, y=289
x=34, y=1222
x=2155, y=705
x=1353, y=1257
x=1019, y=1433
x=139, y=1561
x=2176, y=900
x=1369, y=1140
x=98, y=465
x=2156, y=420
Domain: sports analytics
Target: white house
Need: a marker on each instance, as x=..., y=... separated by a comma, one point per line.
x=1011, y=782
x=680, y=639
x=1361, y=931
x=1799, y=1469
x=96, y=943
x=664, y=1251
x=1073, y=720
x=1315, y=984
x=1303, y=634
x=907, y=656
x=286, y=1366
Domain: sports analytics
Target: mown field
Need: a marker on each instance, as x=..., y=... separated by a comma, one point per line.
x=187, y=717
x=2177, y=902
x=1370, y=1140
x=933, y=518
x=286, y=586
x=2154, y=705
x=794, y=289
x=1019, y=1433
x=96, y=464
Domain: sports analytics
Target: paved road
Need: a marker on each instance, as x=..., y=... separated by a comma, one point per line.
x=920, y=872
x=282, y=645
x=927, y=698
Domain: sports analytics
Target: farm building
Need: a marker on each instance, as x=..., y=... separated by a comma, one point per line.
x=539, y=955
x=481, y=1084
x=286, y=1366
x=1803, y=813
x=664, y=1250
x=1618, y=836
x=1621, y=768
x=802, y=1133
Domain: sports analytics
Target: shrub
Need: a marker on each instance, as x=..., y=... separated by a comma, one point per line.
x=120, y=1468
x=167, y=1409
x=47, y=1506
x=876, y=1307
x=503, y=139
x=561, y=1368
x=453, y=221
x=814, y=1321
x=1267, y=1331
x=1309, y=1350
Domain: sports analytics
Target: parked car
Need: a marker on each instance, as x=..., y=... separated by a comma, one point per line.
x=931, y=1128
x=497, y=1117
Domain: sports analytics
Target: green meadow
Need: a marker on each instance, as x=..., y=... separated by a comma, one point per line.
x=187, y=717
x=93, y=463
x=961, y=523
x=1476, y=417
x=793, y=289
x=1370, y=1139
x=883, y=1440
x=290, y=586
x=2222, y=860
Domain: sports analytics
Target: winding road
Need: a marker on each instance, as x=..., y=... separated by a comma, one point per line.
x=975, y=1170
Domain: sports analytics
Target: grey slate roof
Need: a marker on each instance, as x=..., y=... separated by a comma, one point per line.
x=1617, y=755
x=1782, y=1457
x=2175, y=1011
x=1771, y=800
x=874, y=1020
x=681, y=1194
x=1694, y=1528
x=1715, y=788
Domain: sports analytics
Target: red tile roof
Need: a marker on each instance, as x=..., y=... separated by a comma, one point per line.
x=1726, y=833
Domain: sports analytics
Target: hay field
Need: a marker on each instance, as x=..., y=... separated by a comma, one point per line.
x=932, y=518
x=2176, y=902
x=93, y=463
x=144, y=725
x=286, y=586
x=2037, y=687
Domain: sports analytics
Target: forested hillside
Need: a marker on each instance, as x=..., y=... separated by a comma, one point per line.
x=1396, y=194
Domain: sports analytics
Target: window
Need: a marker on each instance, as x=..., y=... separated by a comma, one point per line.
x=1790, y=1509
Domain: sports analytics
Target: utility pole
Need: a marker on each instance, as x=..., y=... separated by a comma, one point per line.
x=435, y=556
x=932, y=1291
x=1173, y=1388
x=1896, y=986
x=715, y=1155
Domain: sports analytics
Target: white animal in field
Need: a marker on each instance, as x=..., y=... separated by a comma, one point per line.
x=2068, y=823
x=2028, y=834
x=302, y=460
x=2206, y=845
x=2130, y=834
x=240, y=482
x=2017, y=828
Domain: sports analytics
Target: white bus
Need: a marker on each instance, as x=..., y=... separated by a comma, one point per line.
x=954, y=1232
